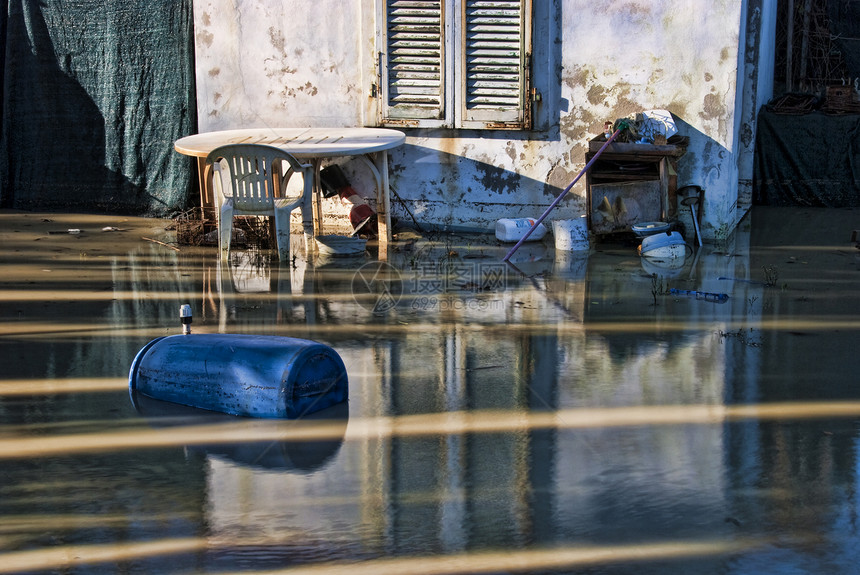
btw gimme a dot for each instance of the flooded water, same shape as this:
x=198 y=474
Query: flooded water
x=568 y=414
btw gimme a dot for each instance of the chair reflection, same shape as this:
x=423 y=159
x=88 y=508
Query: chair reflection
x=255 y=280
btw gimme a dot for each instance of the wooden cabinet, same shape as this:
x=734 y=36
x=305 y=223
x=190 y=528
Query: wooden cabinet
x=631 y=183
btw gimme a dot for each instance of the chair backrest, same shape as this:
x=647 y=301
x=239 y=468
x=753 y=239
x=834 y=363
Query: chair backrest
x=255 y=174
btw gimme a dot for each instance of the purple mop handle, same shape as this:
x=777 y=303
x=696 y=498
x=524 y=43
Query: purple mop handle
x=560 y=196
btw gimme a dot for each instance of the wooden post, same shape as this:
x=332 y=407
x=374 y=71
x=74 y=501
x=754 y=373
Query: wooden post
x=789 y=45
x=804 y=42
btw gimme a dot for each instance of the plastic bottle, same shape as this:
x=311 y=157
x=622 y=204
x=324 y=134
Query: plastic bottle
x=513 y=229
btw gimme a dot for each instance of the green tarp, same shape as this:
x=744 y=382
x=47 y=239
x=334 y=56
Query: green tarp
x=94 y=94
x=807 y=160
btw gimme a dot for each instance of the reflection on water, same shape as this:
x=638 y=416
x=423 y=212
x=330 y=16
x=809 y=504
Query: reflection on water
x=320 y=444
x=564 y=414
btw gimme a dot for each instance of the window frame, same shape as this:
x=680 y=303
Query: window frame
x=453 y=69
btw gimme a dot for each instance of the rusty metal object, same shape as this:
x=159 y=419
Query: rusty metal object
x=840 y=100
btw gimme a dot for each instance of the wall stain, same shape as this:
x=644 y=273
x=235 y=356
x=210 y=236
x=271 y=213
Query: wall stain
x=557 y=180
x=712 y=156
x=276 y=38
x=579 y=124
x=625 y=107
x=497 y=180
x=206 y=38
x=678 y=108
x=579 y=76
x=214 y=72
x=596 y=94
x=577 y=152
x=712 y=107
x=687 y=79
x=309 y=88
x=568 y=125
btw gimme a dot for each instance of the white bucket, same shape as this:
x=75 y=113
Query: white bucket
x=667 y=246
x=571 y=235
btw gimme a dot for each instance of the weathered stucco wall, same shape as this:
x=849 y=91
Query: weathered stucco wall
x=266 y=63
x=632 y=56
x=271 y=63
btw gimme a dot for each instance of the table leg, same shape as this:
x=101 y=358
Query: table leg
x=384 y=218
x=378 y=164
x=317 y=197
x=204 y=178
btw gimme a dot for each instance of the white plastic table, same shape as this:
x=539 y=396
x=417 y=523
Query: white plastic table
x=311 y=144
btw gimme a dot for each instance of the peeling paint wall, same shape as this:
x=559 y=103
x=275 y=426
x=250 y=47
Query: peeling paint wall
x=266 y=63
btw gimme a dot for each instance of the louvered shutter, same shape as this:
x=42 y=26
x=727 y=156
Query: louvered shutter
x=413 y=64
x=495 y=42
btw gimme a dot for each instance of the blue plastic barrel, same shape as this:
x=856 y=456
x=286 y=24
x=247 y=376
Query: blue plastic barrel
x=250 y=375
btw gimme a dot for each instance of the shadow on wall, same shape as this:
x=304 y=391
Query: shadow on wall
x=442 y=190
x=707 y=164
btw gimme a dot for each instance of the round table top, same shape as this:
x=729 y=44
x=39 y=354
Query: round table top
x=300 y=142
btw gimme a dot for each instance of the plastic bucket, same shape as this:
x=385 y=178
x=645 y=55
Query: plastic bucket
x=664 y=246
x=571 y=235
x=250 y=375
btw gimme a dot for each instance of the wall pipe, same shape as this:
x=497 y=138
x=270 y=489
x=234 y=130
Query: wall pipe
x=562 y=194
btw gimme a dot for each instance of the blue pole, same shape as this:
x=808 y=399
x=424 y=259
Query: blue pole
x=560 y=196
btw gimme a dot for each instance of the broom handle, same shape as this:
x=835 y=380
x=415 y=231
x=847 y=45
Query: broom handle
x=560 y=196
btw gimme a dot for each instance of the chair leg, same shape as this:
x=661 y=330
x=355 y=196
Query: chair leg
x=226 y=293
x=225 y=229
x=282 y=231
x=308 y=222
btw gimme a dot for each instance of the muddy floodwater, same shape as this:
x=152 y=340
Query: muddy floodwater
x=569 y=413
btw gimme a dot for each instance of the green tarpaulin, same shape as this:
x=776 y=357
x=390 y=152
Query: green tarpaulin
x=94 y=94
x=807 y=160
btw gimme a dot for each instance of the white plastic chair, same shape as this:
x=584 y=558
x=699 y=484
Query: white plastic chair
x=251 y=179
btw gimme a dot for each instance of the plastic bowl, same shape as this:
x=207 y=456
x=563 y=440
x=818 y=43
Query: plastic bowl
x=649 y=228
x=340 y=245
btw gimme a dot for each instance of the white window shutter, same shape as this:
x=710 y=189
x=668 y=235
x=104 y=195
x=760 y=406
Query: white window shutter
x=412 y=68
x=492 y=64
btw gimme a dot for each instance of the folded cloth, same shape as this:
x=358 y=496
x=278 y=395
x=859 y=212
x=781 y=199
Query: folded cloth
x=655 y=123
